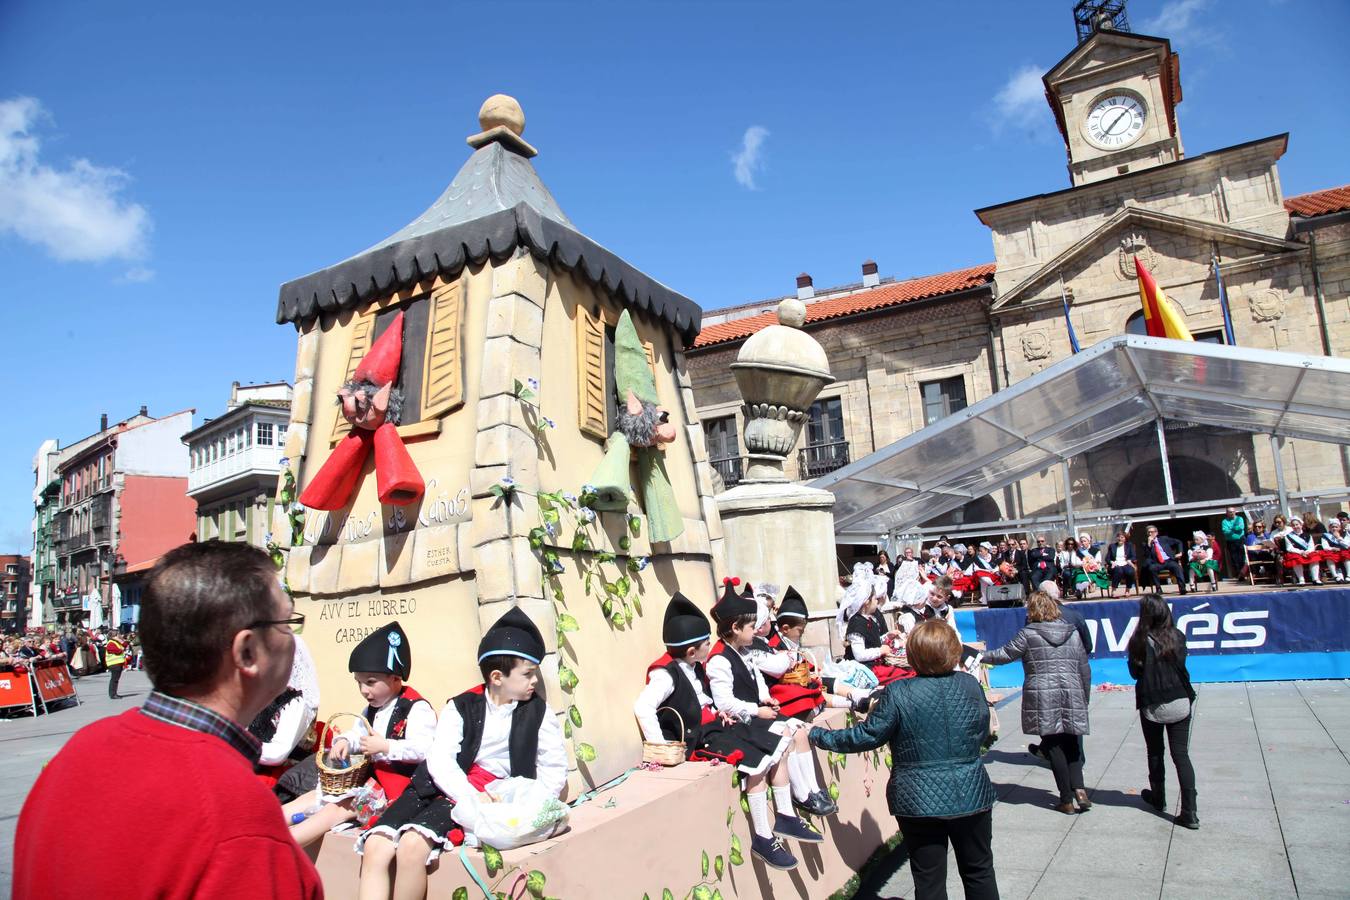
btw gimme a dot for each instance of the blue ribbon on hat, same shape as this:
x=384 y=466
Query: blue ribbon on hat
x=393 y=660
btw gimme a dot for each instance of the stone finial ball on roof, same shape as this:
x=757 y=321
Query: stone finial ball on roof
x=792 y=312
x=503 y=110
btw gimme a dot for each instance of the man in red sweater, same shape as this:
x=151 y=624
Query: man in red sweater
x=217 y=634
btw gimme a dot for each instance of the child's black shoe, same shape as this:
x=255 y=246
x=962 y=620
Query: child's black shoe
x=819 y=804
x=795 y=828
x=773 y=852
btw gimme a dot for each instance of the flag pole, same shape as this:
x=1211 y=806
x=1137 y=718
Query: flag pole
x=1064 y=301
x=1223 y=296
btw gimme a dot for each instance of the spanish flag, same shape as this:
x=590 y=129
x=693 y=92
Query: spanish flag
x=1160 y=317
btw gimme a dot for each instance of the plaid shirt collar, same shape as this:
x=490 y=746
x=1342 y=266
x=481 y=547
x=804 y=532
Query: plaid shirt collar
x=195 y=717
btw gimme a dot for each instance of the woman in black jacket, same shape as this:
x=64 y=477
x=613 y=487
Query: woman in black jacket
x=1164 y=697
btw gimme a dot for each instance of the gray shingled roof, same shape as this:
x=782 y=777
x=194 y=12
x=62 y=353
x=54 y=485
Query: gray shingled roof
x=495 y=205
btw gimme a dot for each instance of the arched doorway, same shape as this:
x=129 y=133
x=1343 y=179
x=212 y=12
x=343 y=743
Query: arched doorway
x=1193 y=480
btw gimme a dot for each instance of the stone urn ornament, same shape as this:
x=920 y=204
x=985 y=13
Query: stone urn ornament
x=780 y=370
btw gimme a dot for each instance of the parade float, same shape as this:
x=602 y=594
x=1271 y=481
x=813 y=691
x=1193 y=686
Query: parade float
x=492 y=410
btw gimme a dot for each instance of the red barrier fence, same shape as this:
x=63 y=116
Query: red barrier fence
x=44 y=681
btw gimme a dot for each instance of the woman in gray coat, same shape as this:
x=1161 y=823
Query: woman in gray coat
x=1055 y=693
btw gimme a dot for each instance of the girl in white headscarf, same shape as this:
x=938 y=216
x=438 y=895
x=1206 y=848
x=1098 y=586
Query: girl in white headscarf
x=910 y=583
x=859 y=628
x=286 y=721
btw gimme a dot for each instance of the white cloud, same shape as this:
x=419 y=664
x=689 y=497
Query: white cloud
x=137 y=275
x=1021 y=100
x=75 y=213
x=748 y=161
x=1177 y=21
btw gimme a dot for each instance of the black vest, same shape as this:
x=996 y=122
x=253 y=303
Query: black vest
x=403 y=705
x=865 y=626
x=523 y=742
x=684 y=700
x=264 y=725
x=743 y=685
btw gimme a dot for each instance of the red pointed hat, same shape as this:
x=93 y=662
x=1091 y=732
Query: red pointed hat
x=380 y=364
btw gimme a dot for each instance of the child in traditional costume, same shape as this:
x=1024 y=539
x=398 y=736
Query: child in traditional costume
x=794 y=681
x=1336 y=550
x=403 y=725
x=1202 y=561
x=1301 y=550
x=777 y=743
x=499 y=729
x=286 y=725
x=864 y=637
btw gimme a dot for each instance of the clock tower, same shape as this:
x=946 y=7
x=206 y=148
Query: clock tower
x=1114 y=96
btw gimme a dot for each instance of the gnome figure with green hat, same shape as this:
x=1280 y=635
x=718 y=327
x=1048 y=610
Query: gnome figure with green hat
x=642 y=427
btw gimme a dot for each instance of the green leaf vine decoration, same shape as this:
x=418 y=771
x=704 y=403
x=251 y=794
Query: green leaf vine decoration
x=611 y=580
x=295 y=515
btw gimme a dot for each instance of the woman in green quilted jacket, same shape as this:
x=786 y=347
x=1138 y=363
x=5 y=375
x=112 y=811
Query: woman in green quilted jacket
x=934 y=725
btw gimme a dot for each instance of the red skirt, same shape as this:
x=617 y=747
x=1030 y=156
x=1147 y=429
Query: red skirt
x=887 y=674
x=797 y=701
x=1292 y=559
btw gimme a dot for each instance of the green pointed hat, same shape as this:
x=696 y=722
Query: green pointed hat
x=632 y=372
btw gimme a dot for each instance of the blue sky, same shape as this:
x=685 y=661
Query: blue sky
x=164 y=167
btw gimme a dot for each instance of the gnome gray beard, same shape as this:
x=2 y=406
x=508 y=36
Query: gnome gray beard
x=394 y=412
x=640 y=429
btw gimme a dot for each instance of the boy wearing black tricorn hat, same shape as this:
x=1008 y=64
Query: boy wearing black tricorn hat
x=798 y=700
x=404 y=723
x=499 y=729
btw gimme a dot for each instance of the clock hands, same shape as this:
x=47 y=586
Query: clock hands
x=1107 y=129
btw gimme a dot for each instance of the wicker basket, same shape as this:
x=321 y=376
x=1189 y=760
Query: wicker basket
x=803 y=673
x=667 y=753
x=899 y=660
x=334 y=781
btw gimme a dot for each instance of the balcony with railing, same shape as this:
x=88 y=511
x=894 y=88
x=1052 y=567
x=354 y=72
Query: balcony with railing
x=732 y=470
x=249 y=461
x=815 y=460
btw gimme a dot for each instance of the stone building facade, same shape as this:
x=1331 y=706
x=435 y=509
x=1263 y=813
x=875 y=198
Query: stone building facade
x=900 y=359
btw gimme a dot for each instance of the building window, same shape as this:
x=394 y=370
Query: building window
x=826 y=449
x=248 y=436
x=942 y=398
x=264 y=434
x=281 y=435
x=1135 y=325
x=724 y=448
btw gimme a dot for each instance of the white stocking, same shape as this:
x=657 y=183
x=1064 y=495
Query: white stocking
x=802 y=774
x=759 y=813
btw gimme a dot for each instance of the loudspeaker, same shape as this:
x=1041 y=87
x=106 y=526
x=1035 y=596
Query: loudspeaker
x=1000 y=595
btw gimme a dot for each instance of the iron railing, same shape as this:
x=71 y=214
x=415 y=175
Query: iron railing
x=815 y=460
x=731 y=470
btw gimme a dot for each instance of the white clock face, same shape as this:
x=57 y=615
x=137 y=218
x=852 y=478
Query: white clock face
x=1114 y=121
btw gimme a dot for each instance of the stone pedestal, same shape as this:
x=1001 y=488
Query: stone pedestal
x=783 y=533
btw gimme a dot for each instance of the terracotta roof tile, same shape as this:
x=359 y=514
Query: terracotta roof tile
x=1319 y=203
x=892 y=294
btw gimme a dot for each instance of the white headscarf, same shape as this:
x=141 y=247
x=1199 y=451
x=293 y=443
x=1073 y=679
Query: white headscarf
x=858 y=592
x=764 y=594
x=304 y=678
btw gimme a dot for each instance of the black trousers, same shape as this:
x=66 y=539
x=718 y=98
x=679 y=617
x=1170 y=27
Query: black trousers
x=971 y=837
x=113 y=679
x=1122 y=575
x=1178 y=741
x=1237 y=560
x=1066 y=761
x=1153 y=567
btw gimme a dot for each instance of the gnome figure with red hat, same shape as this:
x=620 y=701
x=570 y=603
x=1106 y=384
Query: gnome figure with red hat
x=371 y=403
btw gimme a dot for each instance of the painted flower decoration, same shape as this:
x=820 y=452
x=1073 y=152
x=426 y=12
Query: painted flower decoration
x=586 y=514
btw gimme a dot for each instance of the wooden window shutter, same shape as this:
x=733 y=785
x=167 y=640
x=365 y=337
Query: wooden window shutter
x=443 y=372
x=592 y=404
x=363 y=327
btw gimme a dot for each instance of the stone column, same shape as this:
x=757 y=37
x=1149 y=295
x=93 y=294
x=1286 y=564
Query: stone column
x=775 y=530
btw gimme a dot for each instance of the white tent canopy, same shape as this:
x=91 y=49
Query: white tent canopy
x=1078 y=404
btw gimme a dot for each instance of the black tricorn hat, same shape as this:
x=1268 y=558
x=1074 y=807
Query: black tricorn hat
x=513 y=635
x=685 y=623
x=384 y=650
x=792 y=606
x=733 y=604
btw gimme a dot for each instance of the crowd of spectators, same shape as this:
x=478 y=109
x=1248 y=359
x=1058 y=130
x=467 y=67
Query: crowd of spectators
x=1300 y=549
x=84 y=649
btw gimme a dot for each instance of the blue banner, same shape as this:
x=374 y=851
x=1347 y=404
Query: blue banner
x=1274 y=636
